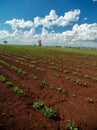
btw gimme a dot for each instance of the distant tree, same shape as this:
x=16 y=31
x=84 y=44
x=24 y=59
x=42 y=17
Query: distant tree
x=40 y=42
x=5 y=42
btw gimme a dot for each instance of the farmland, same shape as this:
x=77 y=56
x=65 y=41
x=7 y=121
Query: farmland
x=48 y=88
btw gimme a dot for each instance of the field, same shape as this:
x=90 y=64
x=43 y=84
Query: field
x=48 y=88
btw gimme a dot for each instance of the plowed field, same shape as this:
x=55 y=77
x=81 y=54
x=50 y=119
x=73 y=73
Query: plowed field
x=64 y=81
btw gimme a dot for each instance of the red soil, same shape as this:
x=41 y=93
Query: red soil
x=17 y=113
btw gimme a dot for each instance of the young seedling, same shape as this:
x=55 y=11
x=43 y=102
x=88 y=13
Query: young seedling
x=87 y=76
x=49 y=112
x=89 y=100
x=71 y=126
x=31 y=66
x=38 y=105
x=95 y=79
x=62 y=91
x=67 y=71
x=34 y=77
x=39 y=69
x=78 y=82
x=18 y=91
x=57 y=75
x=9 y=84
x=45 y=83
x=2 y=78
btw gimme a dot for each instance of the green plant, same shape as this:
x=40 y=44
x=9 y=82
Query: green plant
x=71 y=126
x=87 y=76
x=18 y=91
x=80 y=83
x=95 y=79
x=57 y=75
x=19 y=70
x=90 y=100
x=33 y=62
x=31 y=66
x=62 y=91
x=38 y=105
x=24 y=72
x=9 y=84
x=44 y=82
x=54 y=67
x=67 y=71
x=39 y=69
x=34 y=77
x=2 y=78
x=49 y=112
x=75 y=73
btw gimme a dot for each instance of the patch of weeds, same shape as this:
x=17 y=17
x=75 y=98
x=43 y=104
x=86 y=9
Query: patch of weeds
x=38 y=105
x=34 y=77
x=2 y=78
x=62 y=91
x=33 y=62
x=44 y=82
x=5 y=63
x=67 y=71
x=18 y=91
x=39 y=69
x=87 y=76
x=75 y=73
x=89 y=100
x=78 y=82
x=57 y=75
x=31 y=66
x=49 y=112
x=24 y=72
x=19 y=70
x=9 y=84
x=71 y=126
x=95 y=79
x=79 y=66
x=54 y=67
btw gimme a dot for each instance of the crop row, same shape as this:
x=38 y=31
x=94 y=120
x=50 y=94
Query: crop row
x=19 y=70
x=15 y=89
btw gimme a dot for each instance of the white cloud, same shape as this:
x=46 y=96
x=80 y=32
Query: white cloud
x=19 y=23
x=68 y=18
x=53 y=19
x=4 y=34
x=48 y=21
x=80 y=35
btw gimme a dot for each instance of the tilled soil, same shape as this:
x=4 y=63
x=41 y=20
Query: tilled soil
x=17 y=113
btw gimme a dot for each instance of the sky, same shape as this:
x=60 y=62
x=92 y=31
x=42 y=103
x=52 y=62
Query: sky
x=55 y=22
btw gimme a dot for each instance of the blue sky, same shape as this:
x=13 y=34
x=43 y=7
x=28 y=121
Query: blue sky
x=57 y=22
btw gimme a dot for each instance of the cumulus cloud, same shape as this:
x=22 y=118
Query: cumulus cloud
x=4 y=34
x=52 y=19
x=48 y=21
x=19 y=23
x=80 y=35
